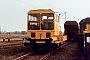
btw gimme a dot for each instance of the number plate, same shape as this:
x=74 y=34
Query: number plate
x=40 y=41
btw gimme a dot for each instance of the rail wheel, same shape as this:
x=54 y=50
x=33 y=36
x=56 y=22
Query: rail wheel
x=3 y=40
x=8 y=40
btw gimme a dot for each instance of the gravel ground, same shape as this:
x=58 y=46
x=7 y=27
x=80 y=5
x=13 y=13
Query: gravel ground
x=69 y=52
x=10 y=53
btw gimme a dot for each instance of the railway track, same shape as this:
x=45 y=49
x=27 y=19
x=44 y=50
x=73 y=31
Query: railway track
x=4 y=44
x=40 y=56
x=25 y=56
x=12 y=52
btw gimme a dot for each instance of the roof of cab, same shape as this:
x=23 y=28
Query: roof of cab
x=41 y=11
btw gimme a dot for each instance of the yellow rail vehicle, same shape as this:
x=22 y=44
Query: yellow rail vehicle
x=43 y=27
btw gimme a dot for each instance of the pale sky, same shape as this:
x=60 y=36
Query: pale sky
x=13 y=12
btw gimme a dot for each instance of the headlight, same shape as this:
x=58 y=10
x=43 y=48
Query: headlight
x=48 y=35
x=32 y=35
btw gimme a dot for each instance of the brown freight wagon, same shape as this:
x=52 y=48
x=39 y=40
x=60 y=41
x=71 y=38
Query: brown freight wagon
x=71 y=30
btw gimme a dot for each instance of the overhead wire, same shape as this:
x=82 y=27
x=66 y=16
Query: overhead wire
x=27 y=3
x=48 y=4
x=37 y=7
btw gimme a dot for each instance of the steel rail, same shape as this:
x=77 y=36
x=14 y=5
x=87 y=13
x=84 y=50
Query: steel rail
x=24 y=56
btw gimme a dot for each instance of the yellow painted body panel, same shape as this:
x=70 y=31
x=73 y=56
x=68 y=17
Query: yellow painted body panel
x=87 y=30
x=43 y=35
x=64 y=38
x=56 y=29
x=37 y=33
x=88 y=27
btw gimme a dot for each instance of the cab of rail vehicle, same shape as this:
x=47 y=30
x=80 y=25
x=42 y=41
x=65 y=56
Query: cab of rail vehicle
x=43 y=26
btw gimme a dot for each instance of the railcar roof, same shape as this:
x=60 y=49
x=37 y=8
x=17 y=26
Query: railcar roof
x=85 y=20
x=71 y=23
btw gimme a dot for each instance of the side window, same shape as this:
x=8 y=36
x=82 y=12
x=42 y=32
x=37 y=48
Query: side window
x=57 y=18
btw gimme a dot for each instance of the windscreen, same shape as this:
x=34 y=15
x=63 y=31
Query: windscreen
x=34 y=17
x=47 y=16
x=47 y=26
x=33 y=26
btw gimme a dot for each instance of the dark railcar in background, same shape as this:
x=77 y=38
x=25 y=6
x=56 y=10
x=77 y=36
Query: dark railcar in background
x=83 y=23
x=71 y=30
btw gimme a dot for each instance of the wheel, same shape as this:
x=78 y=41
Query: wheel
x=8 y=40
x=23 y=38
x=3 y=40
